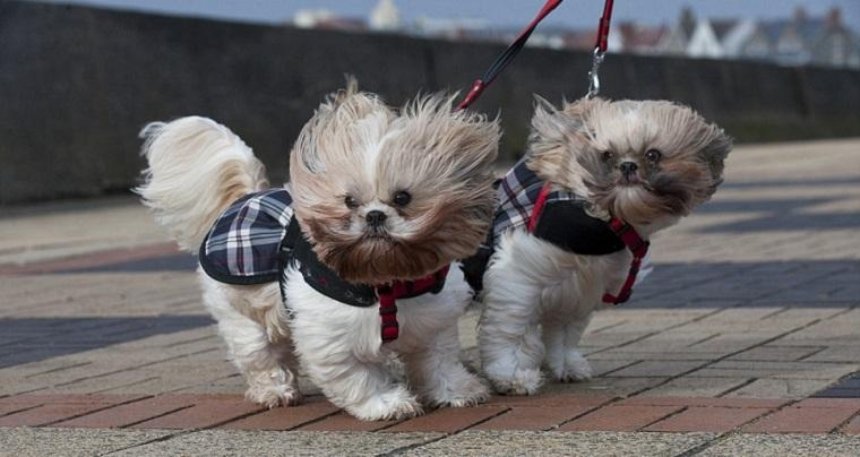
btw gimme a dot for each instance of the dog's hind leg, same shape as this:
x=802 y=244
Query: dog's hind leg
x=248 y=321
x=439 y=376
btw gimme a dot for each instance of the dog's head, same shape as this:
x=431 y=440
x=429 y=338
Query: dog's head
x=647 y=162
x=385 y=194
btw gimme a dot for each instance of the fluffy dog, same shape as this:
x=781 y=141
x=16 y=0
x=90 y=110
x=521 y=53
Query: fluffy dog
x=378 y=199
x=639 y=164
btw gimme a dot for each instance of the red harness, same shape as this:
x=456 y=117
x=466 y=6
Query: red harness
x=635 y=244
x=389 y=293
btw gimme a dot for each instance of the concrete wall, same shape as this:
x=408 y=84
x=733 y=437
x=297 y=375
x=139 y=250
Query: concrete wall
x=76 y=85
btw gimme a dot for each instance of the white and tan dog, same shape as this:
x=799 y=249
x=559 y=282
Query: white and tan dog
x=381 y=196
x=643 y=163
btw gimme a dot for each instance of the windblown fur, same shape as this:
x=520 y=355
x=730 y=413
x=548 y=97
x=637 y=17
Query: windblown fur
x=647 y=162
x=197 y=168
x=426 y=170
x=442 y=159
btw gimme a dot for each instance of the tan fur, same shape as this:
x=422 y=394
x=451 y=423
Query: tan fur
x=197 y=168
x=357 y=146
x=566 y=147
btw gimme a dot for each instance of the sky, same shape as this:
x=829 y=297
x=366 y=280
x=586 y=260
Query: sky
x=572 y=13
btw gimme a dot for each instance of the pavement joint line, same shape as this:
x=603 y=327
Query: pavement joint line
x=609 y=402
x=707 y=338
x=731 y=354
x=97 y=410
x=133 y=383
x=844 y=423
x=737 y=387
x=176 y=410
x=180 y=432
x=402 y=449
x=147 y=364
x=657 y=332
x=54 y=370
x=674 y=413
x=26 y=408
x=817 y=351
x=636 y=362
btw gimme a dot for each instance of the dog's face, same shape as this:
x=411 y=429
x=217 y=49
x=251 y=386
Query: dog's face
x=387 y=195
x=646 y=162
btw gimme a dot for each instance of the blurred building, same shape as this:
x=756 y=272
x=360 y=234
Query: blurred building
x=798 y=40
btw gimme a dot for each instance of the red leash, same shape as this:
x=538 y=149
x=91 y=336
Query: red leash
x=600 y=45
x=506 y=56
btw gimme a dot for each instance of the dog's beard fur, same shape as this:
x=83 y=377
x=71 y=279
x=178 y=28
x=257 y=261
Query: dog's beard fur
x=356 y=147
x=582 y=146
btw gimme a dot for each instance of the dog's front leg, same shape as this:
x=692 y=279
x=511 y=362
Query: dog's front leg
x=339 y=350
x=563 y=359
x=438 y=374
x=509 y=336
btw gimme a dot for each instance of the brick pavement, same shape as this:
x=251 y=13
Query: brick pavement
x=751 y=310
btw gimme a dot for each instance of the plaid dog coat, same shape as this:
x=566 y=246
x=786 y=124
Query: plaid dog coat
x=254 y=240
x=561 y=220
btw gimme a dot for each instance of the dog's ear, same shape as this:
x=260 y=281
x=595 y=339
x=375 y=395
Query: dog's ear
x=715 y=151
x=554 y=134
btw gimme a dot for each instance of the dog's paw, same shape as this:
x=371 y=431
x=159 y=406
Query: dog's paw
x=522 y=382
x=469 y=392
x=394 y=404
x=272 y=390
x=576 y=368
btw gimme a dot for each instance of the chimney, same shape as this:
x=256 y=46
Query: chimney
x=799 y=15
x=834 y=18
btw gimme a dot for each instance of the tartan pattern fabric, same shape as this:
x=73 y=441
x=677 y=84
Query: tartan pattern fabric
x=518 y=191
x=243 y=247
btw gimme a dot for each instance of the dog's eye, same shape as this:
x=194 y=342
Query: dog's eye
x=350 y=202
x=402 y=198
x=653 y=155
x=606 y=156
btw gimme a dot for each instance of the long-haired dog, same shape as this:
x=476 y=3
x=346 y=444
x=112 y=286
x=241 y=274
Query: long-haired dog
x=378 y=200
x=598 y=179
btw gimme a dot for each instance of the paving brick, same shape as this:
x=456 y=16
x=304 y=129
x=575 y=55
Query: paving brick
x=852 y=427
x=697 y=387
x=656 y=368
x=130 y=413
x=707 y=419
x=448 y=420
x=284 y=418
x=550 y=399
x=847 y=403
x=777 y=353
x=49 y=413
x=795 y=419
x=620 y=418
x=725 y=402
x=207 y=411
x=533 y=417
x=780 y=388
x=344 y=422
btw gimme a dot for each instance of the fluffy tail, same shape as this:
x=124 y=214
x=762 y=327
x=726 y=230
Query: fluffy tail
x=197 y=168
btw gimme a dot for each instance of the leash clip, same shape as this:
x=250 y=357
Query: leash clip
x=593 y=76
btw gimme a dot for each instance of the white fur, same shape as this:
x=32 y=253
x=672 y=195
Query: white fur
x=196 y=169
x=538 y=300
x=340 y=349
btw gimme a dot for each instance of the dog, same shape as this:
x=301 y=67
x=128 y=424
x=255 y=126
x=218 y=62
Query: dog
x=351 y=269
x=599 y=178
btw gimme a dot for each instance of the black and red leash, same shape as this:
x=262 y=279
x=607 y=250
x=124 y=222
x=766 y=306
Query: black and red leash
x=389 y=293
x=601 y=43
x=506 y=56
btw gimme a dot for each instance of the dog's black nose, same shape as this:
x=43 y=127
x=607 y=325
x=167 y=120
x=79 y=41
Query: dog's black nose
x=375 y=218
x=628 y=168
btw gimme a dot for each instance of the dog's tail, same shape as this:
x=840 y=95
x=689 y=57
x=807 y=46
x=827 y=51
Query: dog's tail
x=197 y=168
